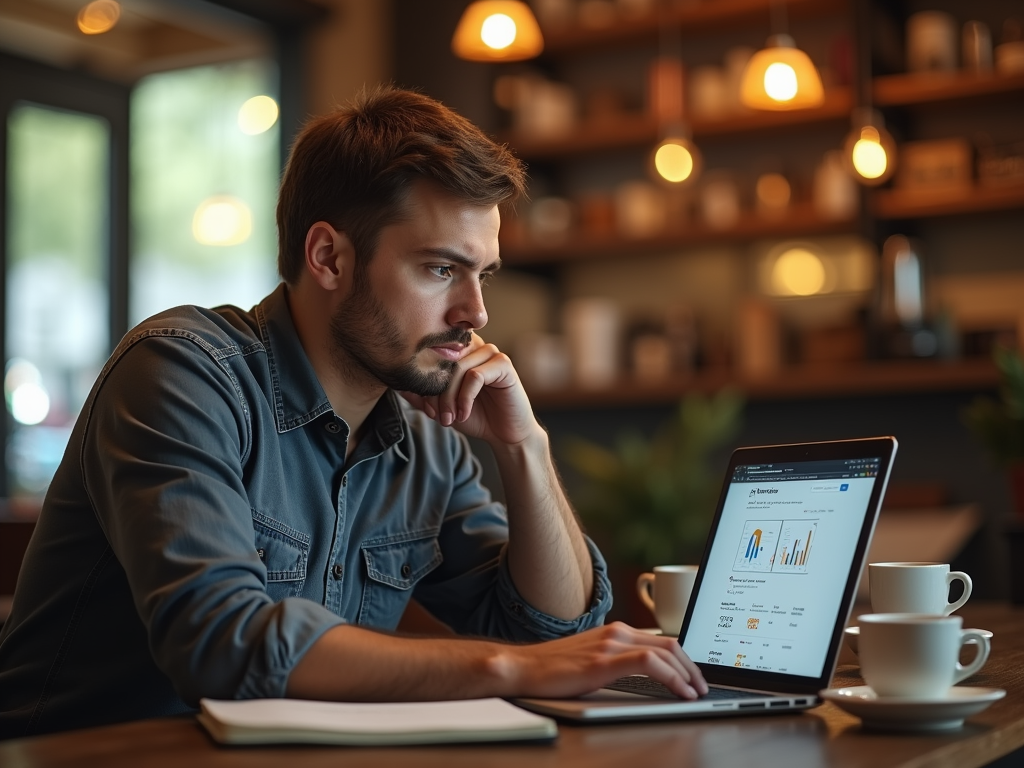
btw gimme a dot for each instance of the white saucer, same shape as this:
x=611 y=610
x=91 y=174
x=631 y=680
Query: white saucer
x=853 y=636
x=897 y=714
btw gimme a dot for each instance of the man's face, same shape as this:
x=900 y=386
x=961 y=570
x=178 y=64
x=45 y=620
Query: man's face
x=412 y=309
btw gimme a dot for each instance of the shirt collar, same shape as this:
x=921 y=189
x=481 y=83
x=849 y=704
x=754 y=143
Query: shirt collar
x=298 y=395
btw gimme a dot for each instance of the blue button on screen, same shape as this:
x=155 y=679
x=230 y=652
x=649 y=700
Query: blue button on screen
x=844 y=486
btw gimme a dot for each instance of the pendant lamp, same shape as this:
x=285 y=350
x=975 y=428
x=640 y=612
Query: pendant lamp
x=870 y=151
x=497 y=30
x=781 y=76
x=675 y=159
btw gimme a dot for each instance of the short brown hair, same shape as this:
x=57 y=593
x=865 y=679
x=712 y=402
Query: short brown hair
x=352 y=168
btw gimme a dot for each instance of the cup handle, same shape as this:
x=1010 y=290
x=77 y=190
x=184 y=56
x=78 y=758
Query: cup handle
x=968 y=586
x=962 y=671
x=644 y=583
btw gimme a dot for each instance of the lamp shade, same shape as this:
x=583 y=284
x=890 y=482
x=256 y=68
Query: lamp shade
x=781 y=76
x=497 y=30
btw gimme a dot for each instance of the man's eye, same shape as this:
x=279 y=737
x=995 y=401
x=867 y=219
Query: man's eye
x=444 y=271
x=485 y=277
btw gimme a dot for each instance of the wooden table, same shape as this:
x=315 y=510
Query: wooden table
x=824 y=737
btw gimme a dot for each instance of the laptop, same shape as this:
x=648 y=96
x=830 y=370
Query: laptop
x=775 y=588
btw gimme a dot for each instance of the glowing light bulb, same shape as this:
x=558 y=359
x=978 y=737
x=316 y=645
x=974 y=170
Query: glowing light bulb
x=869 y=151
x=780 y=81
x=674 y=161
x=798 y=272
x=869 y=158
x=222 y=220
x=98 y=17
x=257 y=115
x=498 y=31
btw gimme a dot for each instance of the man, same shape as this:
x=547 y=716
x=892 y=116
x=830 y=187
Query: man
x=246 y=505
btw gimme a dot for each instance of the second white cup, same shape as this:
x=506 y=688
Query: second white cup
x=913 y=655
x=666 y=592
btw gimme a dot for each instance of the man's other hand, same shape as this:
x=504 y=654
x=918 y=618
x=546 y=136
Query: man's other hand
x=485 y=398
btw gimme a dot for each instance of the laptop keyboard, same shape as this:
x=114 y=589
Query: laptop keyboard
x=648 y=687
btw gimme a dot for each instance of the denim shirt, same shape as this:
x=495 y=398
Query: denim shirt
x=204 y=529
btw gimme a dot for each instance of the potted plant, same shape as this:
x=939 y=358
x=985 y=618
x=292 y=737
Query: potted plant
x=650 y=501
x=999 y=424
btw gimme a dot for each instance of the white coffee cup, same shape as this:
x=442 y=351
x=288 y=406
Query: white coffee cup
x=915 y=588
x=666 y=592
x=914 y=655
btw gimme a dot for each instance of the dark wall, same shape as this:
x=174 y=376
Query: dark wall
x=423 y=59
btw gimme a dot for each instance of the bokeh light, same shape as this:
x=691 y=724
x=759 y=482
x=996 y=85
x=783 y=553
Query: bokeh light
x=26 y=396
x=869 y=158
x=222 y=220
x=98 y=17
x=674 y=161
x=257 y=115
x=798 y=272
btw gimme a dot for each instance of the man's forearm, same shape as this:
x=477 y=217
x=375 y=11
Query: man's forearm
x=353 y=664
x=350 y=663
x=547 y=555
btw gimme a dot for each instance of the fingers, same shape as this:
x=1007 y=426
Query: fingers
x=593 y=659
x=483 y=366
x=662 y=659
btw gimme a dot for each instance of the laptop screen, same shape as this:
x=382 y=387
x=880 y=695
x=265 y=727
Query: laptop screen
x=774 y=578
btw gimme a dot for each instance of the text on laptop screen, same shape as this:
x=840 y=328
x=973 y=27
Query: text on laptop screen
x=782 y=553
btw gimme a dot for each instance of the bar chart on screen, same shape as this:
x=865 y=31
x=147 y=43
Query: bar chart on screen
x=795 y=546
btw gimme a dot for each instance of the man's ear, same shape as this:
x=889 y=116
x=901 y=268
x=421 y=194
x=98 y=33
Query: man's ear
x=330 y=256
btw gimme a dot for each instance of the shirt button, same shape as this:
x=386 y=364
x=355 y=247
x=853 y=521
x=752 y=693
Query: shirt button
x=333 y=427
x=337 y=571
x=406 y=571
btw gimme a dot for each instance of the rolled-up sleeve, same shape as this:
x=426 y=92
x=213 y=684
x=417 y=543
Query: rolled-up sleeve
x=473 y=591
x=164 y=460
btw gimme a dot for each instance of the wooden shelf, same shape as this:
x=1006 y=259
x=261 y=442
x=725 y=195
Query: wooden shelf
x=640 y=130
x=898 y=204
x=697 y=19
x=934 y=88
x=851 y=380
x=801 y=220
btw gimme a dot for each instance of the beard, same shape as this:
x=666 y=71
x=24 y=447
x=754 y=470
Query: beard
x=366 y=344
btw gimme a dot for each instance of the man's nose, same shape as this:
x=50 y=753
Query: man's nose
x=469 y=311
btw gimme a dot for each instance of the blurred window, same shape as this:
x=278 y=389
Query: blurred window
x=204 y=174
x=57 y=295
x=204 y=170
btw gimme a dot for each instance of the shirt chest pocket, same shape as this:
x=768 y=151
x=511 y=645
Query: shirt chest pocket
x=393 y=567
x=284 y=553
